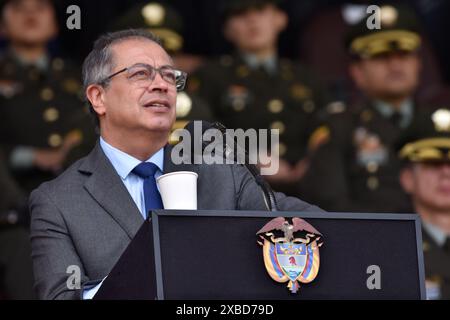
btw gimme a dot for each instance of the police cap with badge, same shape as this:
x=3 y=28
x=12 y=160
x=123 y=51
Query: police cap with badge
x=428 y=138
x=398 y=31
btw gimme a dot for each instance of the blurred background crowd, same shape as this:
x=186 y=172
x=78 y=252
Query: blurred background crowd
x=363 y=113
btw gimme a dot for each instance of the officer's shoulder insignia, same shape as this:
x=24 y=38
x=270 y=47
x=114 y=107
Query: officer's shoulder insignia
x=441 y=120
x=300 y=91
x=320 y=136
x=291 y=251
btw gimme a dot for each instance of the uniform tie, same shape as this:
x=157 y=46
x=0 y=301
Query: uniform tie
x=147 y=170
x=396 y=118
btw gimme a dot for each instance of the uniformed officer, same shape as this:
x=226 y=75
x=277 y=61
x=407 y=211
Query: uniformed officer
x=164 y=21
x=255 y=88
x=425 y=151
x=16 y=279
x=43 y=124
x=356 y=168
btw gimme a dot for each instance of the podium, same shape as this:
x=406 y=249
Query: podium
x=192 y=255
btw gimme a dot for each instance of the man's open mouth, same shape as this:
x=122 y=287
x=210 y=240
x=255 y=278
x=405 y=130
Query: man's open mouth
x=157 y=104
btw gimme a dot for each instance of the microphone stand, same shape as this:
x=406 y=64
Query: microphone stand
x=269 y=196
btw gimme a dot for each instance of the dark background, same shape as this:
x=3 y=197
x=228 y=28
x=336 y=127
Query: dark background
x=202 y=31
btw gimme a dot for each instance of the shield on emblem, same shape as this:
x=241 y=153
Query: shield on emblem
x=291 y=258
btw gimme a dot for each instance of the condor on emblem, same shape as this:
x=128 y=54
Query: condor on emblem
x=291 y=251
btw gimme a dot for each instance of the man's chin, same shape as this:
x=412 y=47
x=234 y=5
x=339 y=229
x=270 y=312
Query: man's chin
x=161 y=126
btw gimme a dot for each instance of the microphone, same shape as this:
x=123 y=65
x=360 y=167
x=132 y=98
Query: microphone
x=197 y=130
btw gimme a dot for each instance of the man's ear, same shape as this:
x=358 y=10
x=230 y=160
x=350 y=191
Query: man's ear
x=95 y=95
x=3 y=29
x=227 y=32
x=407 y=179
x=281 y=20
x=356 y=72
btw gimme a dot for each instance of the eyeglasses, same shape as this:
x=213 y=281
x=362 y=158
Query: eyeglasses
x=143 y=75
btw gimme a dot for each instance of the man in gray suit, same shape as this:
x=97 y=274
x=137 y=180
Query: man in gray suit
x=84 y=219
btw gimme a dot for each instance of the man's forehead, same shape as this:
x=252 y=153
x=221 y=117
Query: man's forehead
x=130 y=51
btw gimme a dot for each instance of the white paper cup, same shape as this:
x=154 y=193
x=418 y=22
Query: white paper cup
x=178 y=190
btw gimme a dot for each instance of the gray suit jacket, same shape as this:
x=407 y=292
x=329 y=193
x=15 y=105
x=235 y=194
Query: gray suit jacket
x=86 y=217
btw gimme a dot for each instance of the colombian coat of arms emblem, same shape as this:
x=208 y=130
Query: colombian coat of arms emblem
x=291 y=251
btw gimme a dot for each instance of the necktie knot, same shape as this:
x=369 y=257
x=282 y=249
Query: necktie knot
x=145 y=170
x=152 y=198
x=396 y=118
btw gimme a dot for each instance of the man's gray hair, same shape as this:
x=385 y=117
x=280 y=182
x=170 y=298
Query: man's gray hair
x=99 y=63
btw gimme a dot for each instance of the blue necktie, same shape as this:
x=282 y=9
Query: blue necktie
x=147 y=170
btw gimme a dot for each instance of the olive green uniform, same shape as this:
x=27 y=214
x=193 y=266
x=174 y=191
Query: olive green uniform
x=39 y=107
x=285 y=97
x=357 y=168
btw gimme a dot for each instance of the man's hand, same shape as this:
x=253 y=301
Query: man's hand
x=288 y=173
x=49 y=159
x=53 y=159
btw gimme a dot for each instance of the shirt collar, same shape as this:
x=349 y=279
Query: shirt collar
x=41 y=63
x=124 y=163
x=406 y=111
x=269 y=64
x=435 y=233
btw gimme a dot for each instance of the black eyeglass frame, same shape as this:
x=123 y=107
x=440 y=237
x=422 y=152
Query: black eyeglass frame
x=180 y=76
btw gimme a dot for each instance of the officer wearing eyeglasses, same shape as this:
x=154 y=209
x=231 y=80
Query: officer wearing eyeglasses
x=87 y=216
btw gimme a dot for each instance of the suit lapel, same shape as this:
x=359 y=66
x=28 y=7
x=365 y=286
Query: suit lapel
x=106 y=187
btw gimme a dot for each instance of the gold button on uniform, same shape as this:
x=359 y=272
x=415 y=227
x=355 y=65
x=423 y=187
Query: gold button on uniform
x=373 y=183
x=275 y=106
x=47 y=94
x=54 y=140
x=278 y=125
x=51 y=114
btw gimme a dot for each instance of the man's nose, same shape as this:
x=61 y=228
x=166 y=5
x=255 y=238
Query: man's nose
x=158 y=83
